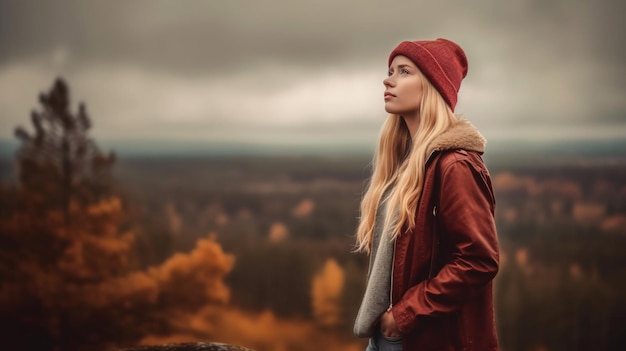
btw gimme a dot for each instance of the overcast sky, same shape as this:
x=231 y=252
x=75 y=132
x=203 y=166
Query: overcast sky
x=185 y=72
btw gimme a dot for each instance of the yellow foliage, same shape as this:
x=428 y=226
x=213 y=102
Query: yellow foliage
x=326 y=293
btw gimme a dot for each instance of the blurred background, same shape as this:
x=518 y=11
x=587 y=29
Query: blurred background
x=191 y=170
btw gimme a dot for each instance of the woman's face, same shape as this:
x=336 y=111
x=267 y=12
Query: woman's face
x=403 y=88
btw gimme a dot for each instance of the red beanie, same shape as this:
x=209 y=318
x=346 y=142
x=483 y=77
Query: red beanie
x=441 y=61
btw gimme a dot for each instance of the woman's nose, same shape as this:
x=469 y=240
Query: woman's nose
x=387 y=82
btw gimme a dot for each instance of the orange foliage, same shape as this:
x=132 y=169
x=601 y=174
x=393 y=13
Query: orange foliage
x=105 y=207
x=615 y=222
x=587 y=211
x=197 y=275
x=278 y=232
x=303 y=209
x=565 y=188
x=173 y=218
x=259 y=331
x=508 y=182
x=521 y=256
x=96 y=249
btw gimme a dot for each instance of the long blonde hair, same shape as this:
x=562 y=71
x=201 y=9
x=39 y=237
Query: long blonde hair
x=400 y=160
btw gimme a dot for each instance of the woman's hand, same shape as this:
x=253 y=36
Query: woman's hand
x=388 y=325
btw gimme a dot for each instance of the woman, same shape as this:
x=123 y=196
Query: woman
x=427 y=217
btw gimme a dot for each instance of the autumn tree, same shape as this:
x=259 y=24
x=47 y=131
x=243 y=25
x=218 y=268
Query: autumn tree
x=66 y=230
x=326 y=293
x=66 y=243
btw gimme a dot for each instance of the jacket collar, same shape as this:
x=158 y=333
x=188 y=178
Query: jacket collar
x=461 y=135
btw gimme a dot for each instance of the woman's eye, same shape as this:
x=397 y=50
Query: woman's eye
x=404 y=71
x=389 y=73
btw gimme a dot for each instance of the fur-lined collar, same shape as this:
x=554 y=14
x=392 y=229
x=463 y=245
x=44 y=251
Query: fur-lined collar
x=461 y=135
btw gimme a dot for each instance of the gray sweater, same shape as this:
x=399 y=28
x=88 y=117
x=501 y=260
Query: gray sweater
x=377 y=296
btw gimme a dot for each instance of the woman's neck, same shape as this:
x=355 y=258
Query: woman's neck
x=412 y=122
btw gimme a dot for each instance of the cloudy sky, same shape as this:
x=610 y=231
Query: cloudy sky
x=286 y=73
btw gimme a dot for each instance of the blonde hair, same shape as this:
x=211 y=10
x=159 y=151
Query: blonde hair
x=400 y=160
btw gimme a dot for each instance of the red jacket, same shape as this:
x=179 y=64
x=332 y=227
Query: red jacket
x=443 y=269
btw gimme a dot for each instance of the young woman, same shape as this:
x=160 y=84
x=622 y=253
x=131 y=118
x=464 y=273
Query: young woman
x=427 y=217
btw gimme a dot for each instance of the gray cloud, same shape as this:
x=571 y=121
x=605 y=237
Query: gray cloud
x=195 y=68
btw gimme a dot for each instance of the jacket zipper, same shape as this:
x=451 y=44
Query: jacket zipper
x=433 y=246
x=433 y=249
x=393 y=263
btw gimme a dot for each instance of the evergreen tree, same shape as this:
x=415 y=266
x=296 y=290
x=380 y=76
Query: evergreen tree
x=60 y=163
x=67 y=230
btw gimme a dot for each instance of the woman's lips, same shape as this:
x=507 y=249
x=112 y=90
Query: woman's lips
x=388 y=96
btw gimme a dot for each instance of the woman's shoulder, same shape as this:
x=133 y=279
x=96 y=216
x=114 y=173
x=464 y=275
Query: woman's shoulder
x=449 y=159
x=465 y=169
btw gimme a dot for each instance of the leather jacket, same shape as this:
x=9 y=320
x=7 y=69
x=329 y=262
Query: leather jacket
x=443 y=268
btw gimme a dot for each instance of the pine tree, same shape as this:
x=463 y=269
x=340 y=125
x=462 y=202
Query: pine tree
x=60 y=163
x=68 y=231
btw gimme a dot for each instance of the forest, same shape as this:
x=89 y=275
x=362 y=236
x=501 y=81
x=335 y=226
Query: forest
x=99 y=251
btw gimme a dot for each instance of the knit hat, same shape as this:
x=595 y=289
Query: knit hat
x=442 y=61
